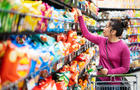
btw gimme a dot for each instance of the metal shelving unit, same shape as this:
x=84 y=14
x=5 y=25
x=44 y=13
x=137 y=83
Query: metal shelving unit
x=115 y=9
x=60 y=4
x=134 y=43
x=134 y=26
x=133 y=34
x=70 y=58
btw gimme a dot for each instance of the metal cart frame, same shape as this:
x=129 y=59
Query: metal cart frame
x=123 y=84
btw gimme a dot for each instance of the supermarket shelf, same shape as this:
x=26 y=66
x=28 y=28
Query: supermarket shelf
x=136 y=59
x=135 y=50
x=134 y=43
x=131 y=18
x=82 y=49
x=135 y=18
x=131 y=26
x=133 y=34
x=87 y=12
x=116 y=9
x=93 y=28
x=134 y=26
x=32 y=15
x=22 y=15
x=27 y=32
x=92 y=2
x=58 y=4
x=83 y=69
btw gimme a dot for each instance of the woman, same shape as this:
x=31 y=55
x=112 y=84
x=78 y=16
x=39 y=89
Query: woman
x=118 y=51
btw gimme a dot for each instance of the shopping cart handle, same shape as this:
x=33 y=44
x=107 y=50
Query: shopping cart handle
x=114 y=75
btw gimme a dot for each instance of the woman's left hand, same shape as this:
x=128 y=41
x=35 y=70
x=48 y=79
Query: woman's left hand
x=104 y=71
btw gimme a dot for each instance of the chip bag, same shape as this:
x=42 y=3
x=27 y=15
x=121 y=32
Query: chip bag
x=18 y=59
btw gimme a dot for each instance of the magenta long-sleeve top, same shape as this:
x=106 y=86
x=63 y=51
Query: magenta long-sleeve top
x=118 y=52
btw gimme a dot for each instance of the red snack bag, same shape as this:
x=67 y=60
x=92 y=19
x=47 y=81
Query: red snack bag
x=81 y=57
x=65 y=68
x=61 y=37
x=47 y=84
x=74 y=47
x=72 y=35
x=73 y=66
x=61 y=86
x=16 y=58
x=74 y=78
x=80 y=40
x=75 y=14
x=66 y=47
x=80 y=82
x=81 y=64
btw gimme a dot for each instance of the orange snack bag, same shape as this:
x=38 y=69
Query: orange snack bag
x=15 y=63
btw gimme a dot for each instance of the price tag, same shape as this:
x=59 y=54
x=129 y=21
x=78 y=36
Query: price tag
x=73 y=26
x=88 y=11
x=61 y=26
x=67 y=26
x=60 y=64
x=73 y=1
x=69 y=57
x=75 y=54
x=78 y=53
x=81 y=6
x=31 y=84
x=87 y=45
x=78 y=26
x=92 y=14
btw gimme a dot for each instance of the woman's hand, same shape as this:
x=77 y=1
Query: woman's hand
x=104 y=71
x=79 y=13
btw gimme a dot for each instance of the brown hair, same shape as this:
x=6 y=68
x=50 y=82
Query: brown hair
x=119 y=25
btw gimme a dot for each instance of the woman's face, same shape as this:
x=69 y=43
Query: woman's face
x=107 y=30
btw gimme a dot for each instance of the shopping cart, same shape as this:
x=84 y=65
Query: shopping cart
x=127 y=82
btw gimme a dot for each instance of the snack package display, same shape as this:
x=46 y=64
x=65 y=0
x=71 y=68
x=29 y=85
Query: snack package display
x=56 y=25
x=61 y=85
x=60 y=77
x=42 y=45
x=53 y=19
x=47 y=84
x=17 y=60
x=72 y=35
x=61 y=37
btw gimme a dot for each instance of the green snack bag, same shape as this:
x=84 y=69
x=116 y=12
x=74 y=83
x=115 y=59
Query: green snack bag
x=67 y=2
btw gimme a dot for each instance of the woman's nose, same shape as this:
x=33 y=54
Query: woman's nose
x=104 y=29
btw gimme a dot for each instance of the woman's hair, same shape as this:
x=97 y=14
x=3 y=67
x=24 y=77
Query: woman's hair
x=119 y=25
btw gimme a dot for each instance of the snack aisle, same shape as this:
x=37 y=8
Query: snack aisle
x=41 y=46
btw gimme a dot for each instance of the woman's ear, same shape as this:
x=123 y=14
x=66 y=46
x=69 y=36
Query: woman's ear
x=113 y=32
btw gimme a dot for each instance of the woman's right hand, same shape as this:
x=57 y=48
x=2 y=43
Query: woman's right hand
x=79 y=13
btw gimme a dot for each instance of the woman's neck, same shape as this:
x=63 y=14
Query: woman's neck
x=113 y=39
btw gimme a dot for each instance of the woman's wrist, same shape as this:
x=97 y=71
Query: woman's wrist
x=79 y=12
